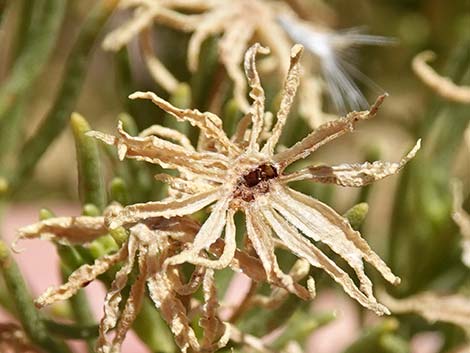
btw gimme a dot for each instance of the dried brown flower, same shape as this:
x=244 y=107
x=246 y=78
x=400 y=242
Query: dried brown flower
x=239 y=23
x=239 y=20
x=149 y=244
x=243 y=174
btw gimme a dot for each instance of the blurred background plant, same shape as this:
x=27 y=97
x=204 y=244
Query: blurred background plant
x=52 y=64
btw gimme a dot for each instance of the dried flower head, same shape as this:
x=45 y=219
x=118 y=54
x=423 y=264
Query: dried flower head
x=149 y=245
x=244 y=173
x=239 y=21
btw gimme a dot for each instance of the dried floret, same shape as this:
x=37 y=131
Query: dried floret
x=443 y=86
x=149 y=244
x=239 y=22
x=246 y=174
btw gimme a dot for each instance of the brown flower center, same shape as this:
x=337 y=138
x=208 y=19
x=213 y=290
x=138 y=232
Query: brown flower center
x=255 y=182
x=262 y=173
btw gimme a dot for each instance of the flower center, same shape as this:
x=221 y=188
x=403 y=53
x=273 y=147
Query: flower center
x=262 y=173
x=255 y=182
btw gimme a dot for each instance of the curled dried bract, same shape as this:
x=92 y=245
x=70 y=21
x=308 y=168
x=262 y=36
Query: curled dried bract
x=246 y=174
x=443 y=86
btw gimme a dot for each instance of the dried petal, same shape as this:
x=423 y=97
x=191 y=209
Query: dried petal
x=172 y=311
x=14 y=340
x=290 y=88
x=210 y=231
x=156 y=69
x=324 y=134
x=167 y=154
x=193 y=284
x=299 y=270
x=352 y=175
x=454 y=309
x=78 y=279
x=139 y=212
x=306 y=250
x=143 y=18
x=131 y=308
x=256 y=93
x=210 y=124
x=169 y=134
x=182 y=186
x=215 y=332
x=114 y=295
x=65 y=230
x=232 y=47
x=261 y=238
x=211 y=24
x=321 y=223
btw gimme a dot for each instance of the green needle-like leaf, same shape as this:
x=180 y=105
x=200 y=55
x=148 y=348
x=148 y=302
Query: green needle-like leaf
x=35 y=53
x=90 y=179
x=73 y=77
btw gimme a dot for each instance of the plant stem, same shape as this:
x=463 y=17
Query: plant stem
x=90 y=178
x=68 y=331
x=28 y=315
